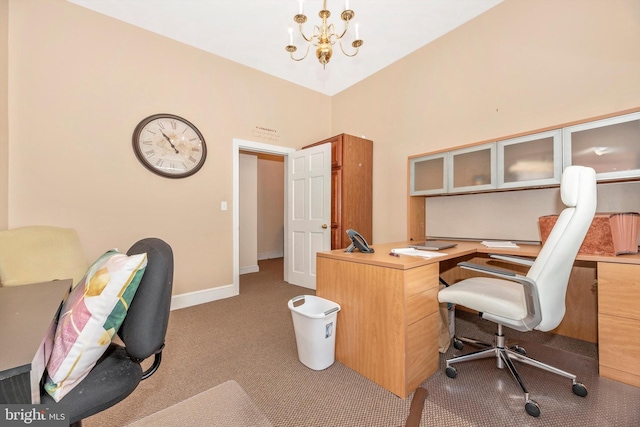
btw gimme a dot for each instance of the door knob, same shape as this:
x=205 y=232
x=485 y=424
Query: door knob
x=324 y=225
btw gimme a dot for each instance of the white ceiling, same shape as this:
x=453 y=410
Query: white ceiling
x=254 y=32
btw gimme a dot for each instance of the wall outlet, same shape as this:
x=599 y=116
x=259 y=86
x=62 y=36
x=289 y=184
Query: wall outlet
x=223 y=206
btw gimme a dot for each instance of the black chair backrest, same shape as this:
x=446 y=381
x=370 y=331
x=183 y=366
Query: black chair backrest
x=145 y=326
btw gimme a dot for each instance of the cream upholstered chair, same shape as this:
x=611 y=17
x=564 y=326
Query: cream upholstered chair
x=534 y=301
x=40 y=253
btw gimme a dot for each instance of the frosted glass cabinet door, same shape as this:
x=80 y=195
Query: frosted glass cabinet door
x=428 y=175
x=610 y=146
x=473 y=169
x=530 y=160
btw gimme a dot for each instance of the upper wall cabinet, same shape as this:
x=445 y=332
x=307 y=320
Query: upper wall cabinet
x=473 y=169
x=531 y=160
x=428 y=174
x=465 y=170
x=610 y=146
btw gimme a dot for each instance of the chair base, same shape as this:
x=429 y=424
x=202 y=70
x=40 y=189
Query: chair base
x=504 y=358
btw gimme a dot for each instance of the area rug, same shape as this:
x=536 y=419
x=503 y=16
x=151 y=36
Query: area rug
x=225 y=405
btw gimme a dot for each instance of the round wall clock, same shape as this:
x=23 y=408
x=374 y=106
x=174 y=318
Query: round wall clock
x=169 y=145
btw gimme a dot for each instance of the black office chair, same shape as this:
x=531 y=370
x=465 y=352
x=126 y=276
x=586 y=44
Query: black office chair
x=119 y=370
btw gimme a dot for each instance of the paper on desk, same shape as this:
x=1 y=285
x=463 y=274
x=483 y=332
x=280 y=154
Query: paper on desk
x=417 y=252
x=499 y=244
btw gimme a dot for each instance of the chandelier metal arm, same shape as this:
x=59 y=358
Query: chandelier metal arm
x=353 y=44
x=302 y=57
x=313 y=36
x=346 y=28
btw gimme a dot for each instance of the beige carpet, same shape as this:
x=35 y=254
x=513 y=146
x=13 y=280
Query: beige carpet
x=250 y=339
x=225 y=405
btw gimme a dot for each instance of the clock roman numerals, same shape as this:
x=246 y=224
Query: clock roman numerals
x=171 y=166
x=169 y=145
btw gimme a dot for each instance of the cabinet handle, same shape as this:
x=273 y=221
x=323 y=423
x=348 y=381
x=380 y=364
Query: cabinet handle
x=324 y=225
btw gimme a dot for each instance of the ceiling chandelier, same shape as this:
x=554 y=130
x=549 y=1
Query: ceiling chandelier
x=324 y=36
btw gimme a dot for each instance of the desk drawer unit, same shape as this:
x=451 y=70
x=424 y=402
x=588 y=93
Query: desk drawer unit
x=387 y=328
x=619 y=322
x=422 y=325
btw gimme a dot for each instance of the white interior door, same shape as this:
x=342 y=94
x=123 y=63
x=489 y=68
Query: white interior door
x=308 y=212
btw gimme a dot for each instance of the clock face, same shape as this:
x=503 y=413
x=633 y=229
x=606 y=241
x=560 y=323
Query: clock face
x=169 y=146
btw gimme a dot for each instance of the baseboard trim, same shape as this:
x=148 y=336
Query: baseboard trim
x=249 y=269
x=201 y=297
x=270 y=255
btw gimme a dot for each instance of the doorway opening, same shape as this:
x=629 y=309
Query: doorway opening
x=248 y=147
x=261 y=208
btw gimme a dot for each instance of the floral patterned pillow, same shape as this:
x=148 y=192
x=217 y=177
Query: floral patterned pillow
x=90 y=317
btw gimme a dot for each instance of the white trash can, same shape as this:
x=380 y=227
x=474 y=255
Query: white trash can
x=314 y=322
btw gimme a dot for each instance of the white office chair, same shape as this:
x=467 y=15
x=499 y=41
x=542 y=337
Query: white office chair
x=534 y=301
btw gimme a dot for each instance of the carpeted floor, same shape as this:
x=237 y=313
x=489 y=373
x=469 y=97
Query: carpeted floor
x=250 y=339
x=483 y=395
x=225 y=405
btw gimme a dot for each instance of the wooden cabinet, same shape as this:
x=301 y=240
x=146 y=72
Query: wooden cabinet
x=619 y=322
x=351 y=187
x=387 y=328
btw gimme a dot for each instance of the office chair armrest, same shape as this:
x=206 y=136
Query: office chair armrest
x=534 y=316
x=499 y=272
x=514 y=259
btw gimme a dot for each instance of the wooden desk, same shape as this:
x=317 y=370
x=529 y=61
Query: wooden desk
x=388 y=323
x=27 y=326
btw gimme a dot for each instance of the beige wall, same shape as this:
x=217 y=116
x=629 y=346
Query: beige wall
x=521 y=66
x=80 y=82
x=4 y=130
x=248 y=214
x=261 y=216
x=270 y=206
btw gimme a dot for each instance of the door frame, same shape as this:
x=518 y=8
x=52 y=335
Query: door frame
x=255 y=147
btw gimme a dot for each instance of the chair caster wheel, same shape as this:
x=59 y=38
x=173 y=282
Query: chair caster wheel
x=451 y=372
x=457 y=344
x=532 y=408
x=579 y=389
x=519 y=350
